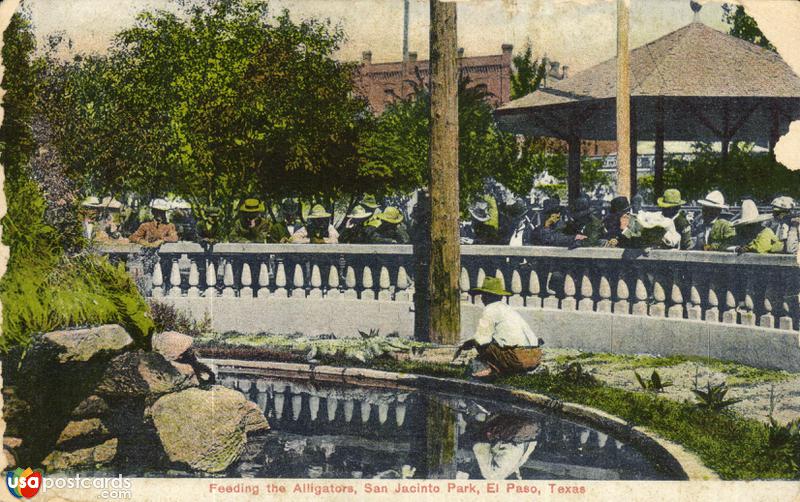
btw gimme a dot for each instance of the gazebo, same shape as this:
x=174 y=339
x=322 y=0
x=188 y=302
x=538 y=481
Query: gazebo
x=694 y=84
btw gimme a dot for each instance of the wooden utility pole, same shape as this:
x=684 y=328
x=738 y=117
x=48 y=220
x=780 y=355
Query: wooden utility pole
x=445 y=263
x=624 y=171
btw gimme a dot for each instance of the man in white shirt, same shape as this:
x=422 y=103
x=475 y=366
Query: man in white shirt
x=504 y=341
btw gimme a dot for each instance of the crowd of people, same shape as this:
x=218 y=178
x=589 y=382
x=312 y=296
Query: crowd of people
x=493 y=220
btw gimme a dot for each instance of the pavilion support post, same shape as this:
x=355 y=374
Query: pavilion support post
x=658 y=174
x=573 y=170
x=774 y=132
x=445 y=258
x=725 y=149
x=623 y=100
x=634 y=153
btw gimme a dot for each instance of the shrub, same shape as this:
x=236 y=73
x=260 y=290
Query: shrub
x=713 y=398
x=574 y=373
x=654 y=384
x=167 y=318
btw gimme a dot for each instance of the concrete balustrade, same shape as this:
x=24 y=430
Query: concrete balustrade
x=743 y=308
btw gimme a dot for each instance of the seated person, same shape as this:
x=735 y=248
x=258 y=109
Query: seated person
x=585 y=228
x=670 y=205
x=551 y=231
x=751 y=234
x=355 y=228
x=616 y=221
x=390 y=230
x=650 y=230
x=504 y=341
x=158 y=231
x=710 y=231
x=318 y=229
x=252 y=226
x=784 y=225
x=484 y=226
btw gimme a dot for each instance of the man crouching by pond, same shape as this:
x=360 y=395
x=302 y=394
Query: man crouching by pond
x=504 y=341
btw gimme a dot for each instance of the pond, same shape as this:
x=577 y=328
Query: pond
x=332 y=430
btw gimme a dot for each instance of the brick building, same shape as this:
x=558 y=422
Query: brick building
x=383 y=83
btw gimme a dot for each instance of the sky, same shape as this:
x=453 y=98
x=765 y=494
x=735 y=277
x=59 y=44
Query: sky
x=578 y=33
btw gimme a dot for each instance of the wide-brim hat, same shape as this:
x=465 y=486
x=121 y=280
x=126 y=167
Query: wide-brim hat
x=492 y=286
x=369 y=202
x=620 y=204
x=714 y=199
x=159 y=204
x=318 y=212
x=783 y=202
x=91 y=202
x=179 y=203
x=671 y=198
x=252 y=206
x=359 y=213
x=480 y=211
x=750 y=215
x=391 y=215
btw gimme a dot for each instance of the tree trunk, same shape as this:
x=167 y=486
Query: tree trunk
x=623 y=102
x=445 y=261
x=658 y=170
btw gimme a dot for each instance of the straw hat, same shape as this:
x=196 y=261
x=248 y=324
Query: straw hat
x=318 y=212
x=91 y=202
x=391 y=215
x=783 y=202
x=252 y=206
x=671 y=198
x=714 y=199
x=369 y=202
x=159 y=205
x=359 y=213
x=750 y=214
x=491 y=285
x=480 y=211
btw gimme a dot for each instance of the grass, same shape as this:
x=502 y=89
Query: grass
x=735 y=448
x=737 y=374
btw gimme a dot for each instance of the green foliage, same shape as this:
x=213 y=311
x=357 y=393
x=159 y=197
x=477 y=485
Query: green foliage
x=713 y=398
x=214 y=104
x=574 y=374
x=743 y=174
x=168 y=318
x=528 y=73
x=654 y=384
x=591 y=175
x=743 y=26
x=783 y=444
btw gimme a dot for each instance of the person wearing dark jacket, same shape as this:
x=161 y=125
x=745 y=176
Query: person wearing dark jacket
x=550 y=232
x=391 y=229
x=585 y=228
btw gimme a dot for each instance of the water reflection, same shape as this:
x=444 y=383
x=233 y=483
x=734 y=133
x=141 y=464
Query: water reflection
x=322 y=430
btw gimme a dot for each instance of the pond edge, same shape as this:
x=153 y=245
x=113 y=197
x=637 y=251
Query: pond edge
x=677 y=460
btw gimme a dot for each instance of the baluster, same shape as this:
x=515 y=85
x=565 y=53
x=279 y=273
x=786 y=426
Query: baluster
x=569 y=302
x=516 y=298
x=499 y=275
x=658 y=308
x=534 y=289
x=401 y=291
x=227 y=280
x=280 y=401
x=194 y=280
x=174 y=279
x=712 y=313
x=263 y=280
x=367 y=293
x=622 y=305
x=384 y=283
x=730 y=315
x=313 y=406
x=281 y=291
x=768 y=319
x=366 y=410
x=333 y=283
x=639 y=306
x=676 y=301
x=694 y=309
x=463 y=282
x=246 y=291
x=551 y=300
x=383 y=412
x=748 y=316
x=316 y=282
x=331 y=403
x=158 y=281
x=298 y=282
x=586 y=302
x=350 y=283
x=604 y=292
x=348 y=410
x=480 y=278
x=400 y=413
x=297 y=406
x=211 y=280
x=785 y=321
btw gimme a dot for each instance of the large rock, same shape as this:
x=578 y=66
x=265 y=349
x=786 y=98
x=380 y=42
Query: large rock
x=92 y=406
x=141 y=374
x=205 y=429
x=171 y=344
x=93 y=456
x=81 y=345
x=91 y=430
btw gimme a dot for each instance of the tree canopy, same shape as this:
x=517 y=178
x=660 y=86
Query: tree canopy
x=528 y=73
x=744 y=26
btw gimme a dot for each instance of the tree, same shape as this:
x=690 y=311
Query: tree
x=743 y=26
x=213 y=106
x=528 y=73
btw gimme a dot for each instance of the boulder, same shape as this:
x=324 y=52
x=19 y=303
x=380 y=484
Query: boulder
x=91 y=430
x=92 y=406
x=81 y=345
x=141 y=374
x=90 y=457
x=205 y=437
x=171 y=344
x=186 y=369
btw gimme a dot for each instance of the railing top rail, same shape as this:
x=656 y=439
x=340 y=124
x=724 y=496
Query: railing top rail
x=612 y=254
